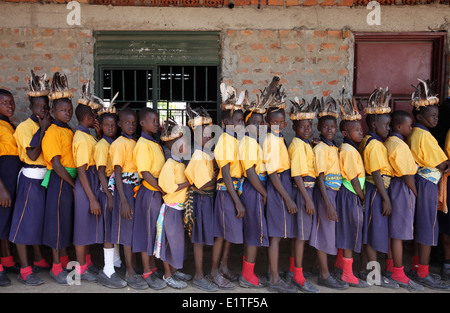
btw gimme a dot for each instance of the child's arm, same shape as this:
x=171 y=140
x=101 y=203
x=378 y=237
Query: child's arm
x=387 y=209
x=5 y=197
x=33 y=153
x=149 y=178
x=357 y=187
x=230 y=188
x=309 y=203
x=410 y=182
x=276 y=182
x=61 y=171
x=256 y=183
x=104 y=182
x=331 y=210
x=125 y=210
x=93 y=202
x=213 y=180
x=183 y=185
x=444 y=166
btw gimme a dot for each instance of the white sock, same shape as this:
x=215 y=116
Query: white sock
x=109 y=261
x=117 y=260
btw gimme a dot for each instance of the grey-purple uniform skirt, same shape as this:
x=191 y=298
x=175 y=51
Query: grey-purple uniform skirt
x=88 y=228
x=202 y=230
x=403 y=202
x=304 y=221
x=426 y=227
x=121 y=227
x=10 y=166
x=444 y=218
x=173 y=241
x=226 y=224
x=106 y=215
x=147 y=206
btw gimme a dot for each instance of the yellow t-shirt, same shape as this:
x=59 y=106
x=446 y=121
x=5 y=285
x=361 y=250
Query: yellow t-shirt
x=400 y=157
x=375 y=157
x=121 y=153
x=172 y=174
x=425 y=148
x=350 y=162
x=447 y=144
x=276 y=156
x=250 y=154
x=326 y=159
x=226 y=152
x=23 y=135
x=200 y=169
x=58 y=141
x=83 y=149
x=302 y=158
x=102 y=157
x=8 y=145
x=148 y=157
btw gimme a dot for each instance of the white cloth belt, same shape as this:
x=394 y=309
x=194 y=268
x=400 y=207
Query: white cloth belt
x=34 y=172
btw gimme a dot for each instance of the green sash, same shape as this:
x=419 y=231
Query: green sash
x=348 y=184
x=72 y=171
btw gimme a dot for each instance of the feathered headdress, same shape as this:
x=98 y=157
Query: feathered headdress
x=378 y=102
x=424 y=94
x=106 y=109
x=349 y=107
x=38 y=85
x=274 y=95
x=88 y=99
x=60 y=87
x=229 y=97
x=171 y=130
x=328 y=107
x=198 y=116
x=301 y=110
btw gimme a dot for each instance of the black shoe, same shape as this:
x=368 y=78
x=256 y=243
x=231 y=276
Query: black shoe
x=4 y=279
x=307 y=286
x=204 y=284
x=332 y=283
x=61 y=278
x=136 y=282
x=31 y=280
x=445 y=271
x=155 y=282
x=430 y=282
x=15 y=269
x=246 y=284
x=93 y=269
x=113 y=282
x=281 y=286
x=411 y=285
x=88 y=276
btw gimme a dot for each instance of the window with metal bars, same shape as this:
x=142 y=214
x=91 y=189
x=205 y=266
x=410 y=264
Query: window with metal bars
x=169 y=92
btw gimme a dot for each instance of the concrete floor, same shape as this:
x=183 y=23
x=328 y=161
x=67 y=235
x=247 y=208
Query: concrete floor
x=235 y=264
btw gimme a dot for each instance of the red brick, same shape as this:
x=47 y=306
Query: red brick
x=347 y=3
x=334 y=58
x=266 y=33
x=291 y=3
x=230 y=33
x=342 y=72
x=72 y=45
x=66 y=57
x=13 y=79
x=276 y=2
x=326 y=93
x=317 y=83
x=300 y=82
x=299 y=59
x=37 y=68
x=343 y=47
x=55 y=69
x=239 y=3
x=246 y=59
x=334 y=33
x=326 y=46
x=327 y=2
x=247 y=82
x=310 y=2
x=264 y=59
x=284 y=33
x=291 y=46
x=275 y=46
x=283 y=59
x=309 y=92
x=320 y=33
x=16 y=58
x=333 y=82
x=257 y=46
x=48 y=56
x=310 y=47
x=38 y=44
x=246 y=32
x=242 y=70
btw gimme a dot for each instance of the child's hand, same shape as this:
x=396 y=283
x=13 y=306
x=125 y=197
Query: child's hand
x=264 y=196
x=315 y=141
x=309 y=207
x=5 y=198
x=387 y=208
x=240 y=210
x=95 y=207
x=110 y=200
x=291 y=206
x=45 y=122
x=98 y=129
x=331 y=213
x=126 y=210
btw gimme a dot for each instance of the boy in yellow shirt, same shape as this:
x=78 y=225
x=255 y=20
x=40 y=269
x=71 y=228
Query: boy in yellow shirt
x=170 y=246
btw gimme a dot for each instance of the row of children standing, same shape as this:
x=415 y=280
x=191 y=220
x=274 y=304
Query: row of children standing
x=124 y=192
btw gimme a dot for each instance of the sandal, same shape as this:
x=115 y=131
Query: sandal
x=231 y=276
x=221 y=281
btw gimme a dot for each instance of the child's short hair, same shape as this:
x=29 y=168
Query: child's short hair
x=398 y=117
x=228 y=114
x=126 y=111
x=55 y=102
x=83 y=111
x=325 y=118
x=145 y=111
x=4 y=92
x=420 y=110
x=101 y=117
x=272 y=110
x=33 y=99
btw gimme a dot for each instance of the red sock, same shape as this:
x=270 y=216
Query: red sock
x=81 y=268
x=64 y=260
x=399 y=274
x=415 y=262
x=291 y=264
x=153 y=270
x=41 y=263
x=248 y=274
x=298 y=275
x=146 y=275
x=389 y=265
x=24 y=272
x=1 y=268
x=347 y=271
x=8 y=261
x=88 y=259
x=422 y=270
x=340 y=255
x=57 y=268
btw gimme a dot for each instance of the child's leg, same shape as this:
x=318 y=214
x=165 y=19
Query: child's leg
x=347 y=267
x=225 y=256
x=108 y=256
x=129 y=260
x=248 y=265
x=216 y=254
x=274 y=248
x=146 y=264
x=322 y=257
x=22 y=252
x=198 y=258
x=299 y=248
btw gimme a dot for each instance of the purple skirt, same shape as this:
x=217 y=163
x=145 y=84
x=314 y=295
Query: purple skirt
x=280 y=223
x=255 y=226
x=10 y=166
x=28 y=218
x=350 y=220
x=147 y=206
x=304 y=220
x=444 y=218
x=88 y=228
x=375 y=228
x=403 y=202
x=426 y=228
x=121 y=227
x=323 y=233
x=173 y=241
x=226 y=224
x=107 y=217
x=202 y=230
x=58 y=220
